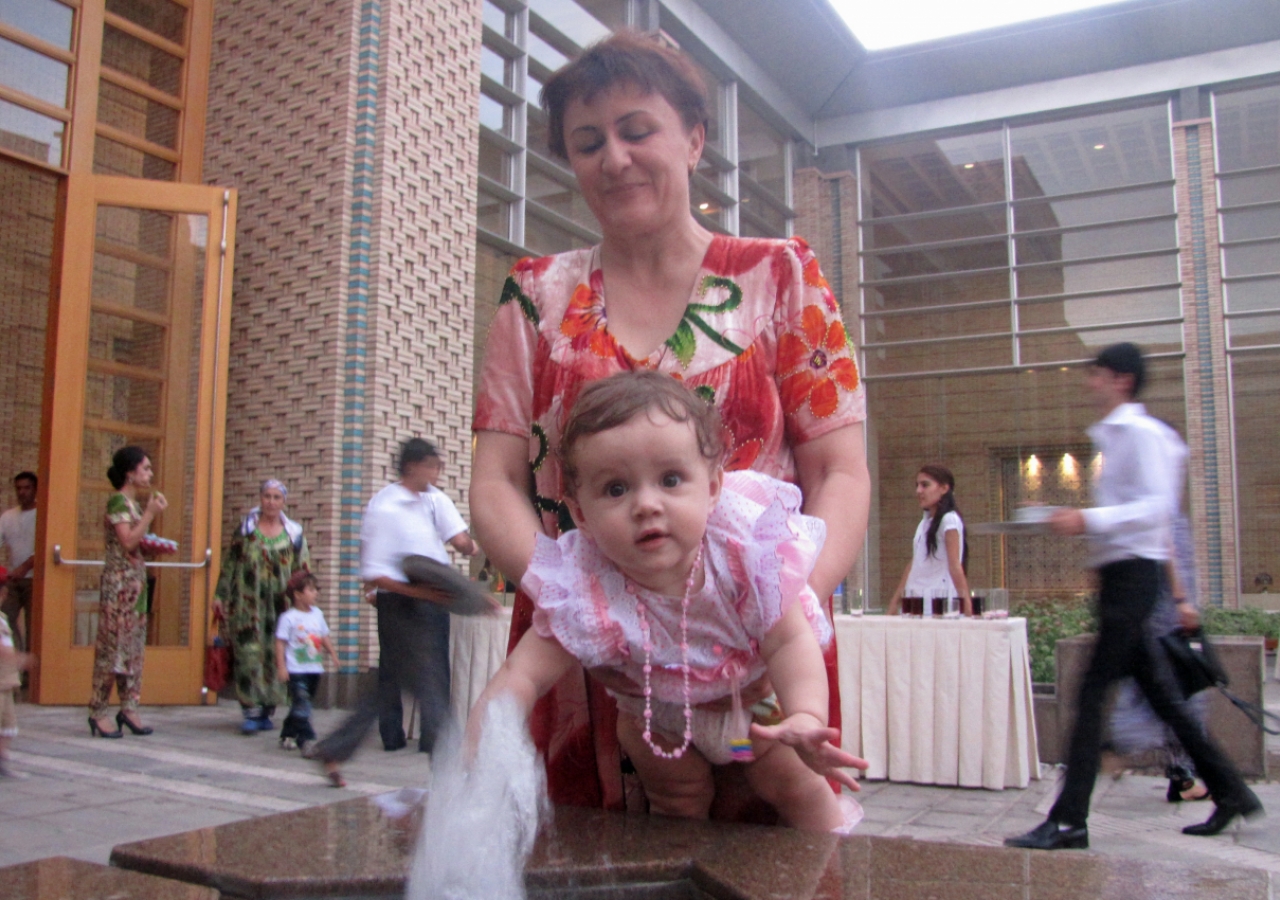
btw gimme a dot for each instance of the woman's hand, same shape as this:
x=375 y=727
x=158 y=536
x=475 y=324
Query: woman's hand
x=157 y=504
x=812 y=742
x=1188 y=616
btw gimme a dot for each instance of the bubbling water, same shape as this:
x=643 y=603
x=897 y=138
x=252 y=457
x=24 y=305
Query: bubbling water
x=481 y=820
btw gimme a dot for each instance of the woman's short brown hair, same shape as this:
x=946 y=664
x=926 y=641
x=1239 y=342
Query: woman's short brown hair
x=626 y=57
x=616 y=400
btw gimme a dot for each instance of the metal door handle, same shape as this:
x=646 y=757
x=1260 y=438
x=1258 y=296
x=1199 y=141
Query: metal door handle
x=59 y=561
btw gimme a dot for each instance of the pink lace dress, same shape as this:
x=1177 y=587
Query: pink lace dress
x=758 y=553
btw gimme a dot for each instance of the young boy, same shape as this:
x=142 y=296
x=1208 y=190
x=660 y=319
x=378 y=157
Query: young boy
x=12 y=663
x=302 y=642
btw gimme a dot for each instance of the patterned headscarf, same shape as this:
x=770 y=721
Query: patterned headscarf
x=274 y=483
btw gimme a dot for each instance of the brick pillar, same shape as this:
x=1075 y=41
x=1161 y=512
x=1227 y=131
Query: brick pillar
x=349 y=128
x=1211 y=476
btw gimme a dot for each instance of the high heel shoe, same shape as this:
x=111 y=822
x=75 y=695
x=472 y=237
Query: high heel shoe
x=1246 y=807
x=122 y=722
x=96 y=730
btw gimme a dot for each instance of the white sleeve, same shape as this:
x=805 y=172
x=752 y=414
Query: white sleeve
x=324 y=626
x=448 y=520
x=951 y=522
x=378 y=543
x=282 y=626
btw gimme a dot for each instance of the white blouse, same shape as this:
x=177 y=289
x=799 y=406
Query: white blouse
x=931 y=572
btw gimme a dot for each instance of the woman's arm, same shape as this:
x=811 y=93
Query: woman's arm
x=130 y=534
x=837 y=489
x=896 y=600
x=794 y=661
x=955 y=566
x=504 y=521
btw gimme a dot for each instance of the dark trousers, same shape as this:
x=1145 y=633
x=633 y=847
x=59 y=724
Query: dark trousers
x=16 y=601
x=297 y=724
x=1125 y=647
x=414 y=636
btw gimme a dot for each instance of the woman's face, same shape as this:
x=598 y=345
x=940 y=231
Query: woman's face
x=632 y=155
x=140 y=477
x=271 y=502
x=929 y=492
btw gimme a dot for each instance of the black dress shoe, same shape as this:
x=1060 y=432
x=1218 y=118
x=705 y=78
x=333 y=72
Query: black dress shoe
x=392 y=747
x=1246 y=807
x=1051 y=835
x=122 y=721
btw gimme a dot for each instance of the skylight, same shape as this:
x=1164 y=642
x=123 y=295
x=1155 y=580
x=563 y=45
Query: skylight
x=880 y=25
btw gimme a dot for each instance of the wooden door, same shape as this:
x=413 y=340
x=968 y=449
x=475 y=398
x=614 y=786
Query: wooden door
x=137 y=354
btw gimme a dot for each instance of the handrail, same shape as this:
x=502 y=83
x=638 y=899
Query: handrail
x=59 y=561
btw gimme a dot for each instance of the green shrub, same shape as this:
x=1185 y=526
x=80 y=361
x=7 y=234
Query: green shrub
x=1258 y=622
x=1050 y=619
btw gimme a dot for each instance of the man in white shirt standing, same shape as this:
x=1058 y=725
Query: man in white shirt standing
x=18 y=533
x=408 y=517
x=1129 y=528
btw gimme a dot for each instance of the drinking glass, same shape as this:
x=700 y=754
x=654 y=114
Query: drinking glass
x=978 y=597
x=912 y=606
x=938 y=598
x=997 y=604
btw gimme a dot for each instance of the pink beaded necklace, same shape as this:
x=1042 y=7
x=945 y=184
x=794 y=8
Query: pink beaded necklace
x=684 y=668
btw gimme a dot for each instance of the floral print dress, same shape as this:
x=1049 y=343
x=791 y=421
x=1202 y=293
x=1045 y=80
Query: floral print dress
x=122 y=614
x=761 y=337
x=251 y=587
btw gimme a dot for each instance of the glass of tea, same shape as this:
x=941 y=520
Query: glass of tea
x=978 y=599
x=913 y=606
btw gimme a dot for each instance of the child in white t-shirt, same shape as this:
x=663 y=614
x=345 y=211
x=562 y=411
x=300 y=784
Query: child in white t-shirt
x=302 y=642
x=12 y=662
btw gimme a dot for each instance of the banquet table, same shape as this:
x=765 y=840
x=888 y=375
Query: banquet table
x=938 y=701
x=477 y=649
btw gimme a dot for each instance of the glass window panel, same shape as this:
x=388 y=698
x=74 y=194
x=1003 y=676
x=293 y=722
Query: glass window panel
x=127 y=341
x=118 y=398
x=948 y=356
x=126 y=53
x=1248 y=125
x=1246 y=224
x=945 y=227
x=544 y=53
x=771 y=222
x=1251 y=259
x=706 y=204
x=761 y=152
x=532 y=87
x=544 y=238
x=496 y=18
x=495 y=115
x=1248 y=296
x=1106 y=309
x=939 y=292
x=30 y=134
x=1256 y=187
x=1256 y=331
x=559 y=198
x=1086 y=153
x=1073 y=346
x=536 y=132
x=923 y=174
x=496 y=66
x=715 y=140
x=493 y=214
x=936 y=260
x=1254 y=377
x=113 y=158
x=162 y=17
x=495 y=162
x=939 y=324
x=1075 y=278
x=1120 y=238
x=33 y=73
x=1109 y=207
x=575 y=22
x=46 y=19
x=137 y=115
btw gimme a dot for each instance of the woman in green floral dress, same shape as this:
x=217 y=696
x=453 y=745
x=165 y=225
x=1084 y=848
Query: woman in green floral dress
x=265 y=551
x=122 y=610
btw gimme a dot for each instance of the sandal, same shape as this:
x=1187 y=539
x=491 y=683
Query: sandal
x=334 y=775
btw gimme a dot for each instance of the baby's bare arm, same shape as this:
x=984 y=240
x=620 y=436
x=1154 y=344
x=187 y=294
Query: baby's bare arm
x=533 y=667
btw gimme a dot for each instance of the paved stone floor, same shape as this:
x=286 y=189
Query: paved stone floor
x=79 y=796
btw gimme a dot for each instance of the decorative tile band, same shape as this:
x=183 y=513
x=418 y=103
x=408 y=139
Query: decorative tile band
x=355 y=341
x=1211 y=581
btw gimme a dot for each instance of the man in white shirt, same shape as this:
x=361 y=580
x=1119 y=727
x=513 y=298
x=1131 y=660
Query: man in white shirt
x=1129 y=528
x=408 y=517
x=18 y=534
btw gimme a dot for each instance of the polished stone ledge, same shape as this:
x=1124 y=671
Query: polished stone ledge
x=348 y=849
x=62 y=878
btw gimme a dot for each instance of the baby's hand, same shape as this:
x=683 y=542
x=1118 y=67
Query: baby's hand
x=812 y=742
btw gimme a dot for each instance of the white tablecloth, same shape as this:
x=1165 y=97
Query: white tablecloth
x=477 y=649
x=938 y=701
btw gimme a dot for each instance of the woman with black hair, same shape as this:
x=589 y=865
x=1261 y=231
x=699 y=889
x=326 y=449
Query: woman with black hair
x=122 y=609
x=938 y=551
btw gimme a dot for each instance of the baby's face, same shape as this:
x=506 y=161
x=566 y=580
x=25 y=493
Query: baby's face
x=644 y=495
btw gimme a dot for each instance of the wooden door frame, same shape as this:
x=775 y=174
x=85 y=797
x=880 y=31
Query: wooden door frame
x=64 y=673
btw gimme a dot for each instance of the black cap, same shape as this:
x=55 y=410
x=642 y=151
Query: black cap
x=1124 y=359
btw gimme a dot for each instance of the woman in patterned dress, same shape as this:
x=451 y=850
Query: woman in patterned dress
x=122 y=609
x=751 y=325
x=265 y=551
